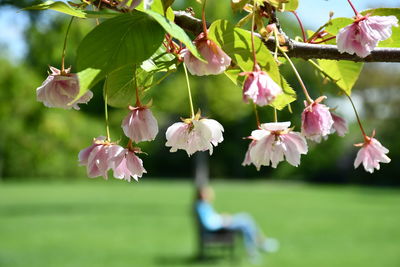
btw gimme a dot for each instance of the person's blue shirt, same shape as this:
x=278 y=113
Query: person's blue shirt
x=208 y=216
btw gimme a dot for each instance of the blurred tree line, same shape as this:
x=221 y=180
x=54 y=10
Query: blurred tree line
x=39 y=142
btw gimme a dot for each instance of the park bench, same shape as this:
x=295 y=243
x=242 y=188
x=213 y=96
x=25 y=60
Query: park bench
x=222 y=240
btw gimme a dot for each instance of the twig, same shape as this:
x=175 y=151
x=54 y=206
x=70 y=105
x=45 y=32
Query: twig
x=299 y=49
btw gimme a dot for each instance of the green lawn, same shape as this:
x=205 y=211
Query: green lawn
x=113 y=223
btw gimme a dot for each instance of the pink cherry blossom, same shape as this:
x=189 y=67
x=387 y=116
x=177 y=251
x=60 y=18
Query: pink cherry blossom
x=260 y=88
x=140 y=124
x=363 y=35
x=273 y=143
x=339 y=125
x=247 y=159
x=371 y=154
x=99 y=157
x=194 y=135
x=60 y=89
x=316 y=120
x=127 y=165
x=217 y=60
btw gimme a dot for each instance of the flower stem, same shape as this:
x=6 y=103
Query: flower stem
x=324 y=40
x=137 y=104
x=160 y=80
x=317 y=32
x=189 y=91
x=358 y=117
x=348 y=96
x=106 y=113
x=275 y=115
x=129 y=145
x=308 y=98
x=354 y=9
x=256 y=114
x=252 y=36
x=303 y=33
x=65 y=46
x=203 y=17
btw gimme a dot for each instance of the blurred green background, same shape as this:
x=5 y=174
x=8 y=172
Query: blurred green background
x=51 y=215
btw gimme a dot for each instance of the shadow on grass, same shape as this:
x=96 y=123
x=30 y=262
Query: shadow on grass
x=187 y=260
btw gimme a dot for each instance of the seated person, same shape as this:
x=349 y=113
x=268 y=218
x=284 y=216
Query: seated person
x=253 y=237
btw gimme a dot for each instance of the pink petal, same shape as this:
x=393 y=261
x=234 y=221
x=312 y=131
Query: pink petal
x=275 y=126
x=135 y=165
x=316 y=121
x=295 y=146
x=177 y=136
x=217 y=60
x=362 y=36
x=371 y=154
x=260 y=88
x=260 y=152
x=60 y=90
x=216 y=130
x=339 y=125
x=140 y=125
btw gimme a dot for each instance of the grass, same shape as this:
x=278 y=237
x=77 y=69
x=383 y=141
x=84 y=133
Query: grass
x=100 y=223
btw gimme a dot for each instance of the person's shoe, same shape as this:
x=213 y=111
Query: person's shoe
x=270 y=245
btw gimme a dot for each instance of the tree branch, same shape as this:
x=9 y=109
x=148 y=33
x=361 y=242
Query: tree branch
x=298 y=49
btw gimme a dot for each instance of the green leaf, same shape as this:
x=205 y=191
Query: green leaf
x=159 y=7
x=238 y=5
x=175 y=31
x=87 y=79
x=120 y=85
x=288 y=96
x=291 y=5
x=58 y=6
x=167 y=3
x=233 y=75
x=124 y=40
x=394 y=40
x=104 y=14
x=344 y=72
x=236 y=43
x=69 y=10
x=285 y=5
x=160 y=61
x=337 y=24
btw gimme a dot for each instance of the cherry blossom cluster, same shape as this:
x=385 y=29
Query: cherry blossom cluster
x=270 y=144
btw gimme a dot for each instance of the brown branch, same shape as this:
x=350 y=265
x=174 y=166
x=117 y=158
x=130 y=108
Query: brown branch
x=299 y=49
